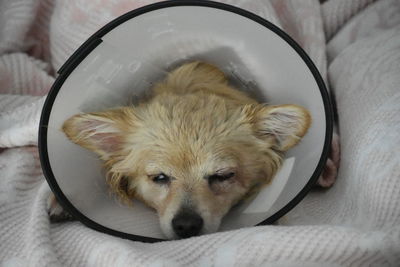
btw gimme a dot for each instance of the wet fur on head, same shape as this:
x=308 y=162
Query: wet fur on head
x=214 y=143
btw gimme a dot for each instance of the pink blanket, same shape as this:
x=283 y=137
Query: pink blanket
x=354 y=223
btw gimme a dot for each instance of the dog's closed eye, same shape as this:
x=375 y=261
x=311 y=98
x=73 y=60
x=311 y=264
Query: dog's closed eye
x=220 y=177
x=221 y=182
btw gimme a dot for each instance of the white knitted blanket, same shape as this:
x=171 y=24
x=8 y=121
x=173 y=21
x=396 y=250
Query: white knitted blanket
x=355 y=223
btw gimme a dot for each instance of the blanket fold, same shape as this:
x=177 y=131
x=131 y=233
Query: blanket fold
x=354 y=223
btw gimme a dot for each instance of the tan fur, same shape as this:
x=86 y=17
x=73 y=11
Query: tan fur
x=193 y=126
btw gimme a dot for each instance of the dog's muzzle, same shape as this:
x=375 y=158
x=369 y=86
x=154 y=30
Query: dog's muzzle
x=187 y=223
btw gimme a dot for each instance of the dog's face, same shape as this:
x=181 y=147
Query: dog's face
x=190 y=156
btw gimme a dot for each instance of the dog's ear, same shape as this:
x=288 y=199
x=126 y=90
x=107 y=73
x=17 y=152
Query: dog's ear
x=101 y=132
x=283 y=125
x=192 y=76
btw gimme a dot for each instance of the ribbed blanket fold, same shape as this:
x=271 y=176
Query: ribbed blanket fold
x=356 y=46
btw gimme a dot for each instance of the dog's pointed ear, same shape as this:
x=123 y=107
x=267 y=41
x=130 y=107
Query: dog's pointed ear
x=193 y=75
x=282 y=125
x=101 y=132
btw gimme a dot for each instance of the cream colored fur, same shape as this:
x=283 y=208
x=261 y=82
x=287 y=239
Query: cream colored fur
x=192 y=127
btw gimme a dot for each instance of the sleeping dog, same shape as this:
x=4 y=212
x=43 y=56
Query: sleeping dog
x=192 y=150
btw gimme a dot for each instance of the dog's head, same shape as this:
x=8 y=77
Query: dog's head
x=190 y=156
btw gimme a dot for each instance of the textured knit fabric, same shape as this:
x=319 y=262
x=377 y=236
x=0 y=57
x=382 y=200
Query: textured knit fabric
x=355 y=223
x=337 y=13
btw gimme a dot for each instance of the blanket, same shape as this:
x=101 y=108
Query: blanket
x=356 y=46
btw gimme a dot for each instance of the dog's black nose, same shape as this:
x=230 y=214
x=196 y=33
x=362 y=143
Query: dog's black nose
x=187 y=224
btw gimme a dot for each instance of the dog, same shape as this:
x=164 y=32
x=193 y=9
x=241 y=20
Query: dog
x=192 y=150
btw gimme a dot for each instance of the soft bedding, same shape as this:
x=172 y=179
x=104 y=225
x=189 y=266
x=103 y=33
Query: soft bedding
x=356 y=46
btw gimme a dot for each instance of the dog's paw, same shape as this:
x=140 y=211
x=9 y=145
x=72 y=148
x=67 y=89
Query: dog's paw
x=56 y=211
x=328 y=176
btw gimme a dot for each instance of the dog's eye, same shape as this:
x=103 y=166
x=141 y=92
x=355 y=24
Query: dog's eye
x=161 y=179
x=220 y=177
